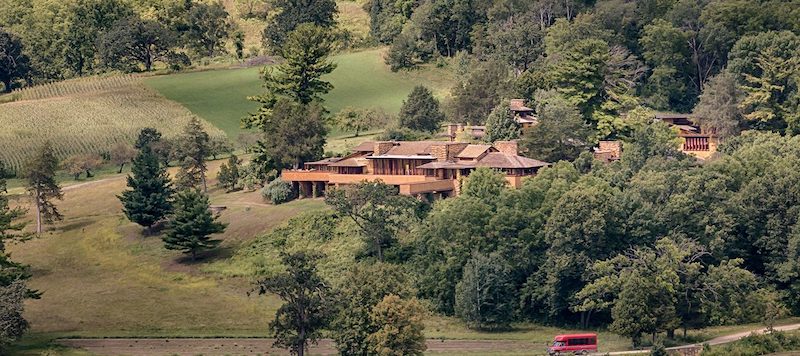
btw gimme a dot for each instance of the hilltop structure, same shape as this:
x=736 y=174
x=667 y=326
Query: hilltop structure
x=418 y=168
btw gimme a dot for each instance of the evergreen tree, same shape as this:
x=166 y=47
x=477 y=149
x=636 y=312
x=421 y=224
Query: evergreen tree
x=10 y=227
x=306 y=309
x=719 y=107
x=195 y=146
x=421 y=111
x=42 y=186
x=561 y=133
x=192 y=224
x=306 y=53
x=149 y=199
x=500 y=125
x=228 y=176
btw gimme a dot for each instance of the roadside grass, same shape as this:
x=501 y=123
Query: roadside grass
x=361 y=80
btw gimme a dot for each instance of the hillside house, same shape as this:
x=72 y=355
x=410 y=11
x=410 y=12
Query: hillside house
x=418 y=168
x=524 y=115
x=696 y=141
x=454 y=131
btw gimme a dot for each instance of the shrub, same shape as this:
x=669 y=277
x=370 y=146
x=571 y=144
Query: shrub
x=278 y=192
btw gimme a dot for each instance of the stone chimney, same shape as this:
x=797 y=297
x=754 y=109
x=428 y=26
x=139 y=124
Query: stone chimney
x=381 y=147
x=439 y=151
x=507 y=147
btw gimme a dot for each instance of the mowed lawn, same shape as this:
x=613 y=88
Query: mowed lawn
x=361 y=80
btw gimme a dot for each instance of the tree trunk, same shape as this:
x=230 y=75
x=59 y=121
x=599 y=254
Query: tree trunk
x=7 y=86
x=378 y=249
x=203 y=178
x=194 y=255
x=684 y=332
x=671 y=334
x=38 y=216
x=120 y=167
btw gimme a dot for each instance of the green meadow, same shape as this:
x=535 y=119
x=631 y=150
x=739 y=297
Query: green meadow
x=361 y=80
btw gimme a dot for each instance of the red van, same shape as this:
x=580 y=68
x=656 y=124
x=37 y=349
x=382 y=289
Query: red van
x=573 y=344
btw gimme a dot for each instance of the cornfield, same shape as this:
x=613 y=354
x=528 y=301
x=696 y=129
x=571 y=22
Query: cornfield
x=85 y=116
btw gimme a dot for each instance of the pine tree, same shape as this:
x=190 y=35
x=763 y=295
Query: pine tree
x=150 y=197
x=195 y=147
x=10 y=227
x=421 y=111
x=192 y=225
x=42 y=186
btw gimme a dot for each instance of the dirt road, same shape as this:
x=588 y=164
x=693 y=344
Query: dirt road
x=254 y=346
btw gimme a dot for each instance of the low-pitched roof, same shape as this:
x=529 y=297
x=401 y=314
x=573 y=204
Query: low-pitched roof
x=325 y=161
x=473 y=151
x=367 y=146
x=503 y=160
x=413 y=148
x=349 y=162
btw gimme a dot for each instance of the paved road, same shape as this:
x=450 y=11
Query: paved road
x=715 y=341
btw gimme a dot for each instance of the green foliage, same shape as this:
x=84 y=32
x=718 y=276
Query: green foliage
x=12 y=297
x=719 y=109
x=561 y=133
x=403 y=134
x=306 y=309
x=208 y=28
x=294 y=13
x=484 y=184
x=132 y=42
x=149 y=199
x=292 y=133
x=363 y=287
x=306 y=52
x=40 y=176
x=14 y=64
x=278 y=191
x=193 y=148
x=500 y=125
x=482 y=90
x=228 y=176
x=484 y=296
x=359 y=120
x=378 y=211
x=192 y=224
x=400 y=327
x=421 y=111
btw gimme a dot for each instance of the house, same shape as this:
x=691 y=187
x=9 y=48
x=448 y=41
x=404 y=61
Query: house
x=418 y=168
x=523 y=115
x=454 y=131
x=608 y=151
x=696 y=141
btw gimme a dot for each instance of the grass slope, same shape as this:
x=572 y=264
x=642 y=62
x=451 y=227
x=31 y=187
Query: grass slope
x=360 y=80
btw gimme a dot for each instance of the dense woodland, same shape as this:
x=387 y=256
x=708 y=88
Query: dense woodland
x=644 y=246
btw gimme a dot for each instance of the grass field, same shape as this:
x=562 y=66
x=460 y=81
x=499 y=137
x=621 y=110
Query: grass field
x=80 y=116
x=360 y=80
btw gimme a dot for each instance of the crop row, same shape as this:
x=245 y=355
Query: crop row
x=74 y=86
x=87 y=123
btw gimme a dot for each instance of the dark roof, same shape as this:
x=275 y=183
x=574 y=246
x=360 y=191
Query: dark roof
x=349 y=162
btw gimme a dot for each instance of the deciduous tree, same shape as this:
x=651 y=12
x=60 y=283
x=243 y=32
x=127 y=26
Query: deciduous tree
x=484 y=298
x=14 y=62
x=133 y=41
x=121 y=154
x=292 y=14
x=561 y=133
x=307 y=302
x=400 y=327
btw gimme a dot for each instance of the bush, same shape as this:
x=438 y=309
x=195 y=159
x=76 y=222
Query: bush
x=278 y=192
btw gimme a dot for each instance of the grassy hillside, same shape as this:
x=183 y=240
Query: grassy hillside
x=85 y=115
x=361 y=80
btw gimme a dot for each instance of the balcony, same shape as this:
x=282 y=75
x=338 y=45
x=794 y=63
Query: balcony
x=301 y=175
x=427 y=187
x=696 y=143
x=335 y=178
